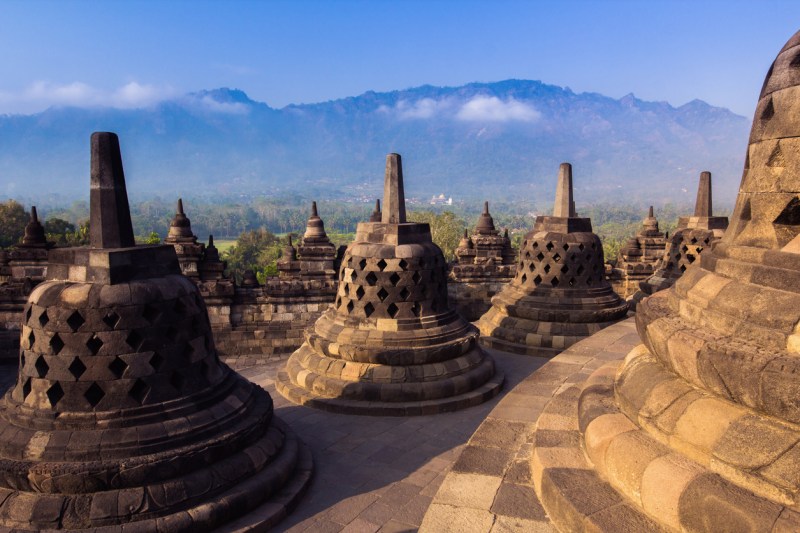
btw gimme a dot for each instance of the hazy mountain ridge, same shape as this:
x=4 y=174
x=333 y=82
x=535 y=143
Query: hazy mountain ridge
x=473 y=141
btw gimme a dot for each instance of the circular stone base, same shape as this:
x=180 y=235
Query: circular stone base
x=301 y=396
x=502 y=345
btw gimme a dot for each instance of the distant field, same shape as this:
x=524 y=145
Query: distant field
x=224 y=244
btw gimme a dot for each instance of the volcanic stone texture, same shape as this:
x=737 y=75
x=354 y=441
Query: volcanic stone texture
x=699 y=427
x=122 y=417
x=559 y=294
x=638 y=258
x=391 y=344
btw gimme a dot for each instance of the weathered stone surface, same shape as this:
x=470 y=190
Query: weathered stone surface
x=559 y=294
x=122 y=417
x=390 y=344
x=638 y=259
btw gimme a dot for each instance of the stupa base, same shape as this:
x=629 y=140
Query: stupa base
x=299 y=395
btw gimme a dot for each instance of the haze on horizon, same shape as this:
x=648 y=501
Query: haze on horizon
x=137 y=53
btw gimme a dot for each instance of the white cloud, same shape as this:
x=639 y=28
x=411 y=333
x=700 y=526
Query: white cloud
x=208 y=103
x=42 y=94
x=492 y=109
x=476 y=109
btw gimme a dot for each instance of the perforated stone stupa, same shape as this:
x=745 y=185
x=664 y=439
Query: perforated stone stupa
x=485 y=263
x=699 y=428
x=559 y=294
x=638 y=258
x=391 y=344
x=122 y=417
x=692 y=236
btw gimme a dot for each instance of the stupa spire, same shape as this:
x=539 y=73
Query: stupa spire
x=110 y=215
x=703 y=207
x=394 y=200
x=564 y=206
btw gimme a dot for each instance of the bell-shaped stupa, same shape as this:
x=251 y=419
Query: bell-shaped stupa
x=181 y=237
x=693 y=235
x=391 y=344
x=699 y=427
x=122 y=417
x=559 y=294
x=638 y=258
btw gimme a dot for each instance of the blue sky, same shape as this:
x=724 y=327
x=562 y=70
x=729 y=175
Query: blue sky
x=135 y=53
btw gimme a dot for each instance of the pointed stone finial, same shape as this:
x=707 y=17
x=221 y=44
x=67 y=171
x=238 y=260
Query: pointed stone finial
x=315 y=227
x=485 y=222
x=180 y=206
x=466 y=236
x=394 y=200
x=210 y=241
x=650 y=213
x=34 y=214
x=110 y=215
x=702 y=208
x=314 y=209
x=34 y=231
x=376 y=213
x=486 y=208
x=564 y=206
x=290 y=239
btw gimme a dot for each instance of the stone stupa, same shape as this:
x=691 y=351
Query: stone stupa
x=559 y=294
x=693 y=235
x=122 y=417
x=391 y=344
x=485 y=263
x=638 y=258
x=181 y=237
x=698 y=429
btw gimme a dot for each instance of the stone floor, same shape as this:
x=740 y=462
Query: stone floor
x=461 y=472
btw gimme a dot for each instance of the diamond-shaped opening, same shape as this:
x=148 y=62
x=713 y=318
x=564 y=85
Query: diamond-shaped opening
x=564 y=269
x=111 y=319
x=572 y=282
x=556 y=258
x=118 y=367
x=28 y=313
x=94 y=344
x=383 y=294
x=21 y=360
x=404 y=293
x=177 y=380
x=56 y=343
x=353 y=276
x=531 y=267
x=537 y=280
x=359 y=292
x=381 y=264
x=416 y=277
x=535 y=244
x=547 y=269
x=540 y=256
x=403 y=264
x=565 y=247
x=394 y=279
x=32 y=339
x=346 y=288
x=683 y=268
x=43 y=318
x=134 y=340
x=139 y=391
x=372 y=279
x=554 y=282
x=549 y=246
x=156 y=361
x=338 y=301
x=362 y=264
x=580 y=246
x=392 y=310
x=690 y=258
x=589 y=280
x=594 y=246
x=77 y=368
x=151 y=313
x=369 y=309
x=26 y=388
x=94 y=394
x=524 y=278
x=694 y=240
x=350 y=306
x=55 y=393
x=75 y=321
x=684 y=248
x=706 y=241
x=769 y=111
x=41 y=367
x=527 y=255
x=416 y=309
x=795 y=61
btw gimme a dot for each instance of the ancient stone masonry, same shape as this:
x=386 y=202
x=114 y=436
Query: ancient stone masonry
x=390 y=344
x=189 y=251
x=698 y=429
x=485 y=263
x=638 y=258
x=559 y=294
x=122 y=417
x=692 y=236
x=23 y=267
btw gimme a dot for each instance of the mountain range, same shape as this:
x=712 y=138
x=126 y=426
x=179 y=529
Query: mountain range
x=501 y=140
